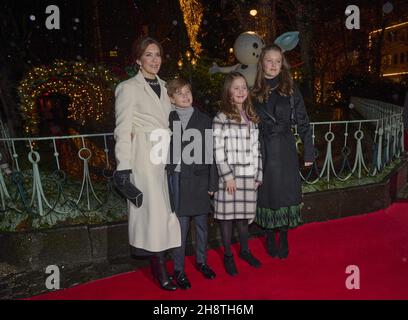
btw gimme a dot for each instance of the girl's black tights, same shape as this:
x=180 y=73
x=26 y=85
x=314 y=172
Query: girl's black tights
x=226 y=234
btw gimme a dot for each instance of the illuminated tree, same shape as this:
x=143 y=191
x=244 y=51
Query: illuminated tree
x=89 y=88
x=193 y=15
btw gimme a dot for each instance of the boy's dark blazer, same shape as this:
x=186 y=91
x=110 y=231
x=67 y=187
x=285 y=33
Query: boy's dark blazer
x=196 y=179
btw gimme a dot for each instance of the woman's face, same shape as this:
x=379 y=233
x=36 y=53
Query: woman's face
x=150 y=61
x=272 y=63
x=238 y=91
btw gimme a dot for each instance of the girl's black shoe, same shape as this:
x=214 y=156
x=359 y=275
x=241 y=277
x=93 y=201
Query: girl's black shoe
x=229 y=265
x=248 y=257
x=206 y=271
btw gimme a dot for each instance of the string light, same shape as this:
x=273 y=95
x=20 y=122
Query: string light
x=193 y=12
x=391 y=27
x=395 y=74
x=90 y=88
x=180 y=64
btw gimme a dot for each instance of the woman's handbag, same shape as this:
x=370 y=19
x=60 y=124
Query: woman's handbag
x=121 y=180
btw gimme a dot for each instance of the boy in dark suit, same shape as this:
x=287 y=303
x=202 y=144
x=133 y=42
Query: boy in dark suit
x=192 y=176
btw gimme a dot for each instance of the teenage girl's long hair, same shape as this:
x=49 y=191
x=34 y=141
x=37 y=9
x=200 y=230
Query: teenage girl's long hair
x=228 y=108
x=261 y=89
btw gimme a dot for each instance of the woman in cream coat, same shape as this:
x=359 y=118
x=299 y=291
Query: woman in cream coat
x=142 y=107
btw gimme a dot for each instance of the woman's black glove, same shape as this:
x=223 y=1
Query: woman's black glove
x=121 y=180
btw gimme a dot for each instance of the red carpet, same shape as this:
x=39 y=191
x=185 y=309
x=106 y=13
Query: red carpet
x=316 y=267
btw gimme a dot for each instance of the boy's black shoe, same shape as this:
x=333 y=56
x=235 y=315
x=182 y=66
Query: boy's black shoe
x=229 y=265
x=248 y=257
x=181 y=280
x=206 y=270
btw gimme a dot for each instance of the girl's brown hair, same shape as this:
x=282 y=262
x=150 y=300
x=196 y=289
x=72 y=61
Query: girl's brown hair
x=261 y=89
x=140 y=45
x=228 y=108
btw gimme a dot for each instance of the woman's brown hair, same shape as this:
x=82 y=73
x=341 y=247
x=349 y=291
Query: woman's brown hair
x=140 y=45
x=261 y=89
x=228 y=108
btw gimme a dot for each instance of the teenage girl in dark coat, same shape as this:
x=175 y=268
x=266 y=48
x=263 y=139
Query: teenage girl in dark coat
x=279 y=105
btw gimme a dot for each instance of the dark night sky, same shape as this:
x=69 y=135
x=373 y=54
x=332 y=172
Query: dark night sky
x=25 y=41
x=119 y=24
x=121 y=21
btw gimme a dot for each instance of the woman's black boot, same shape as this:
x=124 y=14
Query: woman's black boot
x=160 y=273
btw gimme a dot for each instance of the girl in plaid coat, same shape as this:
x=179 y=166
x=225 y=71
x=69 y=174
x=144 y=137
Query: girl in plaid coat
x=239 y=164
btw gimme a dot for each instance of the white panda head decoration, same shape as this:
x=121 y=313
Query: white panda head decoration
x=248 y=47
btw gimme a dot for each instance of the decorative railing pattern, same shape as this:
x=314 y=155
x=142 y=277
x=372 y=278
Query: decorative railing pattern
x=382 y=128
x=68 y=182
x=44 y=192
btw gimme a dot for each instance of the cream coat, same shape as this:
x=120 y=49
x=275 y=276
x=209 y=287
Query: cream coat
x=139 y=112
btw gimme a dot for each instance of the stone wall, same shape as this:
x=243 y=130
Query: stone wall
x=76 y=245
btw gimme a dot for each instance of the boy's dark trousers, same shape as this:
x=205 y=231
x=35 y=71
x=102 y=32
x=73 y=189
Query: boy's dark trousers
x=201 y=223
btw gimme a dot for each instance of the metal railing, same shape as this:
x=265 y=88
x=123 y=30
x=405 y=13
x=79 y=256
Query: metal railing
x=382 y=130
x=43 y=188
x=57 y=189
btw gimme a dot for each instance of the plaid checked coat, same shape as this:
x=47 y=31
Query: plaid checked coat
x=237 y=155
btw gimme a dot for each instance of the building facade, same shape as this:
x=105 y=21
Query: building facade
x=394 y=50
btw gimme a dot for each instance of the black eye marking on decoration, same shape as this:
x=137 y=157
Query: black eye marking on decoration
x=255 y=45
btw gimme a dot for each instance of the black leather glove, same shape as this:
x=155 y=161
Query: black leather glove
x=121 y=180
